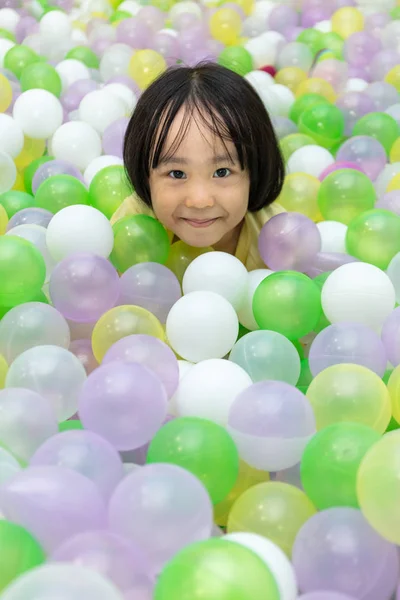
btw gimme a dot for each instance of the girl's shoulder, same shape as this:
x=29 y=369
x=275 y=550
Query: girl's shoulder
x=132 y=205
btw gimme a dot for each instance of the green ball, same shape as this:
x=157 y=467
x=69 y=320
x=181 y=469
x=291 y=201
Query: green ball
x=324 y=123
x=345 y=194
x=293 y=142
x=19 y=552
x=330 y=463
x=22 y=271
x=374 y=237
x=289 y=303
x=380 y=126
x=43 y=76
x=69 y=425
x=393 y=425
x=60 y=191
x=395 y=13
x=334 y=42
x=84 y=55
x=19 y=57
x=120 y=15
x=137 y=239
x=7 y=35
x=216 y=569
x=305 y=376
x=189 y=442
x=312 y=38
x=304 y=103
x=299 y=348
x=236 y=58
x=30 y=171
x=108 y=189
x=323 y=321
x=14 y=201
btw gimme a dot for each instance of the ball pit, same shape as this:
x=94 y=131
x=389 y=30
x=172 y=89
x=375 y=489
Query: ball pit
x=172 y=424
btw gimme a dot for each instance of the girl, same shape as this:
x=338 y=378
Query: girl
x=202 y=156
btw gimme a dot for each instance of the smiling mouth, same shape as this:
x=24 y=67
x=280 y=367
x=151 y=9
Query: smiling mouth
x=200 y=223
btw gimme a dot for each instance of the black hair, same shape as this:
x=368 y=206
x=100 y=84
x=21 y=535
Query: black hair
x=227 y=104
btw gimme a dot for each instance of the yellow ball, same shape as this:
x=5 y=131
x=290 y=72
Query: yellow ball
x=346 y=21
x=3 y=220
x=247 y=478
x=119 y=322
x=5 y=93
x=3 y=371
x=394 y=392
x=225 y=26
x=349 y=392
x=393 y=77
x=315 y=85
x=19 y=184
x=300 y=193
x=181 y=255
x=394 y=183
x=145 y=66
x=378 y=486
x=32 y=150
x=274 y=510
x=395 y=152
x=291 y=77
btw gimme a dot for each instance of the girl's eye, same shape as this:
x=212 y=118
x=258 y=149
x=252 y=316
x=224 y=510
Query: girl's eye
x=177 y=174
x=222 y=173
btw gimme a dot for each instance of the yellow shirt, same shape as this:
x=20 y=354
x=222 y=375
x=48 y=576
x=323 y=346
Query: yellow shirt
x=247 y=248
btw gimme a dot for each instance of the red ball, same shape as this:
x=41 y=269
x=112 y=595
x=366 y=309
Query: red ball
x=268 y=69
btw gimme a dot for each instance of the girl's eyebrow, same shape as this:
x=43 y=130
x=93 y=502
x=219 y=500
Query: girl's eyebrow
x=177 y=160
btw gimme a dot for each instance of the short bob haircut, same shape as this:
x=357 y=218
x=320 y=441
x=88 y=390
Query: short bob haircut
x=227 y=104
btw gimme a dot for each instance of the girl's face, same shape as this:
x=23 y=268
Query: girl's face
x=200 y=193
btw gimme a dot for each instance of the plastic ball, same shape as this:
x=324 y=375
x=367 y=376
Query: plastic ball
x=292 y=142
x=181 y=255
x=316 y=85
x=245 y=313
x=145 y=66
x=76 y=142
x=291 y=77
x=209 y=389
x=23 y=430
x=358 y=293
x=98 y=164
x=349 y=392
x=21 y=552
x=366 y=152
x=182 y=515
x=237 y=59
x=29 y=325
x=30 y=171
x=61 y=191
x=225 y=26
x=274 y=510
x=43 y=76
x=299 y=194
x=345 y=194
x=346 y=21
x=372 y=237
x=38 y=112
x=77 y=583
x=333 y=236
x=108 y=188
x=71 y=70
x=100 y=109
x=8 y=172
x=345 y=343
x=14 y=201
x=115 y=60
x=12 y=136
x=113 y=137
x=380 y=126
x=79 y=229
x=310 y=159
x=22 y=271
x=330 y=463
x=5 y=93
x=354 y=105
x=338 y=550
x=37 y=236
x=395 y=152
x=187 y=442
x=287 y=302
x=3 y=220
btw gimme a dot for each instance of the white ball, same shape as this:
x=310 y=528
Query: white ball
x=355 y=84
x=245 y=313
x=100 y=109
x=202 y=325
x=324 y=26
x=130 y=6
x=260 y=81
x=11 y=136
x=123 y=93
x=217 y=272
x=55 y=24
x=37 y=235
x=8 y=172
x=99 y=163
x=39 y=113
x=5 y=46
x=79 y=228
x=283 y=100
x=333 y=236
x=71 y=70
x=9 y=19
x=358 y=293
x=184 y=368
x=265 y=47
x=310 y=159
x=76 y=142
x=185 y=7
x=79 y=37
x=262 y=9
x=393 y=272
x=115 y=61
x=275 y=559
x=209 y=389
x=385 y=176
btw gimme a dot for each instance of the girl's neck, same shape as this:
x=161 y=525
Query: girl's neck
x=230 y=241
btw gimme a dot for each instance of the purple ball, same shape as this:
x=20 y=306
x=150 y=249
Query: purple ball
x=376 y=22
x=113 y=556
x=289 y=241
x=281 y=18
x=150 y=352
x=166 y=45
x=72 y=98
x=359 y=73
x=30 y=216
x=382 y=63
x=125 y=403
x=343 y=343
x=134 y=33
x=25 y=26
x=52 y=168
x=329 y=261
x=84 y=452
x=325 y=596
x=151 y=16
x=113 y=137
x=338 y=550
x=290 y=476
x=126 y=80
x=354 y=105
x=366 y=152
x=84 y=286
x=139 y=456
x=162 y=508
x=382 y=94
x=53 y=504
x=151 y=286
x=338 y=166
x=391 y=336
x=360 y=48
x=310 y=17
x=390 y=201
x=100 y=45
